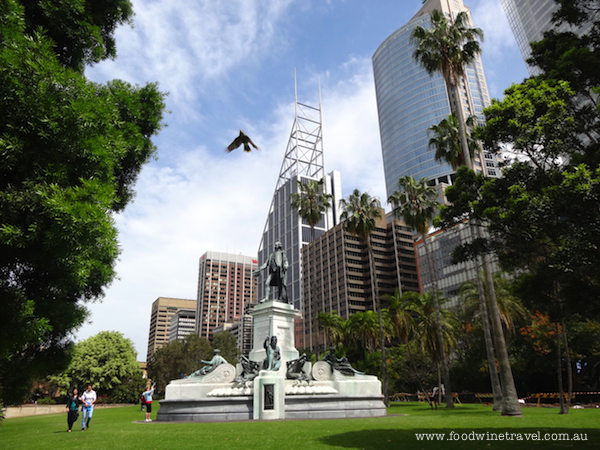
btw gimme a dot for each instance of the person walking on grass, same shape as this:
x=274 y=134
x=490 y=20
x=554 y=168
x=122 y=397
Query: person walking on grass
x=88 y=398
x=147 y=395
x=72 y=408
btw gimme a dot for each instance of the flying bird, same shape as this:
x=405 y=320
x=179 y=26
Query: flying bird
x=241 y=139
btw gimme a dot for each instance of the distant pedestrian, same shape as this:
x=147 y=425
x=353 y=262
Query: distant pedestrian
x=88 y=398
x=143 y=402
x=148 y=401
x=72 y=408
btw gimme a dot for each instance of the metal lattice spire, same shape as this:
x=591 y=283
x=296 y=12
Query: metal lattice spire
x=304 y=152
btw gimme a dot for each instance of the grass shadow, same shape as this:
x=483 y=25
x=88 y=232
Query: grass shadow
x=465 y=438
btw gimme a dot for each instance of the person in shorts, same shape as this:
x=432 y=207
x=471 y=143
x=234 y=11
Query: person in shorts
x=147 y=395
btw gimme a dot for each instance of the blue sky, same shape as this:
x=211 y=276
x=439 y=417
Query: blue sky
x=229 y=65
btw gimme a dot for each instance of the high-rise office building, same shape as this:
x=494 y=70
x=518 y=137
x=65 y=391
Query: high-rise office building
x=337 y=276
x=410 y=101
x=303 y=161
x=241 y=329
x=449 y=277
x=182 y=324
x=163 y=310
x=225 y=288
x=529 y=19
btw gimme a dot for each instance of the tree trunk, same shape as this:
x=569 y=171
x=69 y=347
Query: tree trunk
x=489 y=344
x=487 y=334
x=439 y=386
x=510 y=399
x=412 y=362
x=440 y=332
x=569 y=366
x=561 y=397
x=460 y=115
x=375 y=292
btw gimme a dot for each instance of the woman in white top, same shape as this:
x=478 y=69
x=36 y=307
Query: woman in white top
x=88 y=398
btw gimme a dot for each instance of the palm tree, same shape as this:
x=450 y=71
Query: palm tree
x=416 y=203
x=448 y=47
x=399 y=309
x=333 y=326
x=359 y=214
x=510 y=307
x=446 y=141
x=363 y=327
x=428 y=319
x=468 y=292
x=311 y=202
x=473 y=300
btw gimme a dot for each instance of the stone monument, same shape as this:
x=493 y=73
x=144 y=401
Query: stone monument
x=275 y=382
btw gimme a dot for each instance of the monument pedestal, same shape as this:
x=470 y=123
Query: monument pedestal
x=269 y=396
x=324 y=393
x=273 y=318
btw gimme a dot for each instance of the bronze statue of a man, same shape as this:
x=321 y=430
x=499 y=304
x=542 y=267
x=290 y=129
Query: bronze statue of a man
x=276 y=266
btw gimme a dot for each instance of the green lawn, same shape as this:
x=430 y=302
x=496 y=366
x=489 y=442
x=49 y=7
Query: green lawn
x=117 y=428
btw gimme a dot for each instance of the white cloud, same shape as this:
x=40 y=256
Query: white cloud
x=202 y=201
x=351 y=128
x=491 y=18
x=501 y=58
x=186 y=44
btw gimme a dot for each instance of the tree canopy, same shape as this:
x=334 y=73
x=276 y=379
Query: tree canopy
x=81 y=30
x=70 y=153
x=107 y=360
x=177 y=359
x=227 y=343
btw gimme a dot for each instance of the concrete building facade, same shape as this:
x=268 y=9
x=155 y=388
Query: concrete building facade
x=225 y=289
x=241 y=329
x=336 y=274
x=450 y=277
x=163 y=310
x=182 y=324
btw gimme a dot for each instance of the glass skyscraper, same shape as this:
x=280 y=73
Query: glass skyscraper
x=409 y=101
x=529 y=19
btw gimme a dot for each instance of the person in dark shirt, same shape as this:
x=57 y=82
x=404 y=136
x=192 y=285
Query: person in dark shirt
x=72 y=408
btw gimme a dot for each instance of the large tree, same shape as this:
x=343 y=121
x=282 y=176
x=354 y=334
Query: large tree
x=311 y=202
x=448 y=46
x=81 y=30
x=416 y=203
x=71 y=151
x=332 y=325
x=359 y=213
x=178 y=359
x=543 y=215
x=107 y=360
